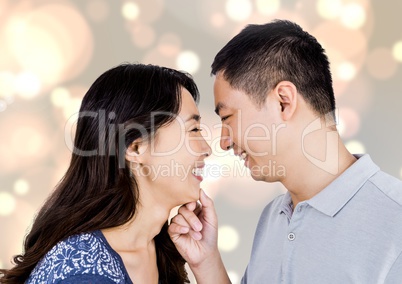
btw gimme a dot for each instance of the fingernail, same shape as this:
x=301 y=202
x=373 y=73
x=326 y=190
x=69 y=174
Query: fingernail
x=197 y=236
x=198 y=226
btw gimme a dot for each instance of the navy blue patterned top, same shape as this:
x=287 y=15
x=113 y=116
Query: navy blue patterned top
x=85 y=258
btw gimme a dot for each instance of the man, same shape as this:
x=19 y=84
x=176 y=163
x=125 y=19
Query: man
x=341 y=218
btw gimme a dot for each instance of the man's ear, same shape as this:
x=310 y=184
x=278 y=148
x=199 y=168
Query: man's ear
x=286 y=93
x=135 y=150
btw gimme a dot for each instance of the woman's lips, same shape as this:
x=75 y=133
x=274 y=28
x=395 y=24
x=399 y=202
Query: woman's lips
x=198 y=172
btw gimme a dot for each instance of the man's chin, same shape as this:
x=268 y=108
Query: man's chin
x=262 y=177
x=258 y=177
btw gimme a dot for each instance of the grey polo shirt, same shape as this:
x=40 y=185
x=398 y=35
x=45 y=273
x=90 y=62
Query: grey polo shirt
x=350 y=232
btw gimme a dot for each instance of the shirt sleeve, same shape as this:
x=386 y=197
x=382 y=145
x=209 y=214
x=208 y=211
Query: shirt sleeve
x=394 y=275
x=86 y=279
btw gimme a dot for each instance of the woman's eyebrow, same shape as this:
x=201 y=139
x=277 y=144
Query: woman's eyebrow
x=195 y=117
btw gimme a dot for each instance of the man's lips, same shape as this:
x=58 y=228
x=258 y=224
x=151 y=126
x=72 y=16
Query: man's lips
x=242 y=155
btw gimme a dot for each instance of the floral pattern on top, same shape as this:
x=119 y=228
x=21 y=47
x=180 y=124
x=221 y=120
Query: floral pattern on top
x=86 y=254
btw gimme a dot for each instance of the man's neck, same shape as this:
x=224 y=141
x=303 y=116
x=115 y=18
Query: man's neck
x=311 y=171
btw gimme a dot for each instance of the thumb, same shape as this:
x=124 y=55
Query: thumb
x=205 y=200
x=207 y=206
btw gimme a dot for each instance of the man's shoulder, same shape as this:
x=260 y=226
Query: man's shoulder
x=389 y=185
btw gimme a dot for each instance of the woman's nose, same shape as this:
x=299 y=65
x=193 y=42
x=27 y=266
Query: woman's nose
x=225 y=142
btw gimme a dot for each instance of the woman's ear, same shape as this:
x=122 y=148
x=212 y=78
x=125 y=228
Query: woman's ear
x=135 y=150
x=287 y=95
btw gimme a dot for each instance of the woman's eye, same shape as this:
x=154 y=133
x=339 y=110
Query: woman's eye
x=196 y=130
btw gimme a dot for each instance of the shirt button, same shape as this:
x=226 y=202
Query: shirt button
x=291 y=236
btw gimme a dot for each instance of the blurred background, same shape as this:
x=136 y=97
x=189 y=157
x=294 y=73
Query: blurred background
x=52 y=51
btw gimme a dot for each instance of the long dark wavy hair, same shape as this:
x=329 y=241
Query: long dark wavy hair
x=98 y=190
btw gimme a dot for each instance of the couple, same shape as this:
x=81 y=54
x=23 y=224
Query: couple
x=106 y=222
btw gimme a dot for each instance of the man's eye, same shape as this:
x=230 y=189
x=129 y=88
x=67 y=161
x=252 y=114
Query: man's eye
x=224 y=118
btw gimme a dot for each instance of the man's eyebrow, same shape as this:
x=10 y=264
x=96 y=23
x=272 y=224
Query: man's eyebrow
x=218 y=107
x=195 y=117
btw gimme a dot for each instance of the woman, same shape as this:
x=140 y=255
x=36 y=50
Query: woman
x=138 y=153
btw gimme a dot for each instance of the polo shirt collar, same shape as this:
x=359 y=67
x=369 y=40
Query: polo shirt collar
x=286 y=206
x=334 y=197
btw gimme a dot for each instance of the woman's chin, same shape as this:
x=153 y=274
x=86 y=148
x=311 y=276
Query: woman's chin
x=193 y=198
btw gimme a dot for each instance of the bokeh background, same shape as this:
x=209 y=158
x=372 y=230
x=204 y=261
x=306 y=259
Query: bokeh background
x=51 y=51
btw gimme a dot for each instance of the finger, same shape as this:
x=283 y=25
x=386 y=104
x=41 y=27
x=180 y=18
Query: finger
x=205 y=200
x=194 y=206
x=195 y=235
x=175 y=230
x=198 y=208
x=208 y=207
x=191 y=205
x=191 y=218
x=179 y=219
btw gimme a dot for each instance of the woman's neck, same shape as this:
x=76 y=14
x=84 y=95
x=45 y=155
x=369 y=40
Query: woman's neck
x=134 y=242
x=139 y=232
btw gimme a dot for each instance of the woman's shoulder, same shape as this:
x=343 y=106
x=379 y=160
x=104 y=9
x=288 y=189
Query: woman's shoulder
x=86 y=254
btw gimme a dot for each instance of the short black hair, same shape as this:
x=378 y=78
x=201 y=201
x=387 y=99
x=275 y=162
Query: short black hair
x=261 y=56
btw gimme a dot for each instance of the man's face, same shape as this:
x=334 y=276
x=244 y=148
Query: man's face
x=251 y=130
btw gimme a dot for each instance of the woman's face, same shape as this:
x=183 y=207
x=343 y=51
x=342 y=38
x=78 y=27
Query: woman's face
x=170 y=168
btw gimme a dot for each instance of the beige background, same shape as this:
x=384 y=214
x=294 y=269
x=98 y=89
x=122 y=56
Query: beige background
x=51 y=51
